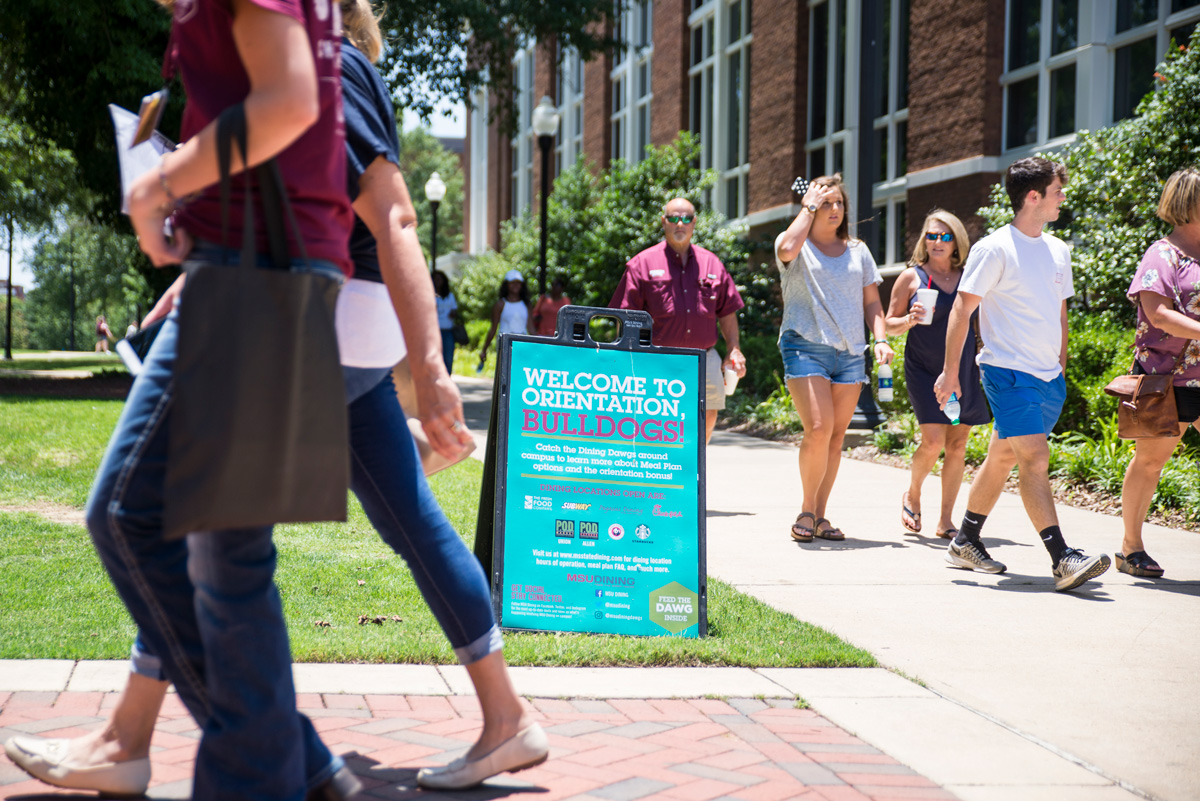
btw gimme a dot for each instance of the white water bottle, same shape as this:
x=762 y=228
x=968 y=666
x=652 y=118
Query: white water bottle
x=885 y=383
x=953 y=409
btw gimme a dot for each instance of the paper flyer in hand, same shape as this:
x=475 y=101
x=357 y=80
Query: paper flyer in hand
x=137 y=159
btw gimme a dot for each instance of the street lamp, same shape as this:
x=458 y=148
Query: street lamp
x=545 y=125
x=435 y=190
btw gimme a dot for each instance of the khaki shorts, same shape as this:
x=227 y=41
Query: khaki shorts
x=714 y=381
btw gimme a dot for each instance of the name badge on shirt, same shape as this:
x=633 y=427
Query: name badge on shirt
x=656 y=273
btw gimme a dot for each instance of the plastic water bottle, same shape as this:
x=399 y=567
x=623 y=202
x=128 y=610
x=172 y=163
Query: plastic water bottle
x=885 y=383
x=953 y=409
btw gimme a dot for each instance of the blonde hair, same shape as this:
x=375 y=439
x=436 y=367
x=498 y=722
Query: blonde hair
x=361 y=27
x=1180 y=201
x=962 y=242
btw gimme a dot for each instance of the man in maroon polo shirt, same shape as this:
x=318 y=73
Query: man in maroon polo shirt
x=688 y=292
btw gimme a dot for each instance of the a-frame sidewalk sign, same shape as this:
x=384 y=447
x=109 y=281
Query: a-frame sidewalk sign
x=592 y=511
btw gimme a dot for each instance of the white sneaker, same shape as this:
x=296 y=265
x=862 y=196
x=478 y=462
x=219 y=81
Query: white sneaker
x=973 y=557
x=1076 y=567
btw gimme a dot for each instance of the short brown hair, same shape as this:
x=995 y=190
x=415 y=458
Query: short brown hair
x=1031 y=174
x=1180 y=201
x=962 y=242
x=835 y=180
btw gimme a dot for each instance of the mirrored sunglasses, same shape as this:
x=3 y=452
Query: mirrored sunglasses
x=680 y=218
x=930 y=236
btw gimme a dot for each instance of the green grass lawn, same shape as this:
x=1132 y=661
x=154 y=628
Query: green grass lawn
x=56 y=602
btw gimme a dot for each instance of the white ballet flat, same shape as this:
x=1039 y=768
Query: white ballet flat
x=44 y=759
x=524 y=749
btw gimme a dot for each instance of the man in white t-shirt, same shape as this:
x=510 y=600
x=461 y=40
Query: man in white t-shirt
x=1019 y=278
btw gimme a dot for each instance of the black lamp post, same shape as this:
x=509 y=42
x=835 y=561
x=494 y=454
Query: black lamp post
x=545 y=126
x=435 y=190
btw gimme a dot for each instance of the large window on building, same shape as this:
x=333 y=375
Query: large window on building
x=630 y=81
x=890 y=186
x=524 y=143
x=719 y=96
x=830 y=117
x=1076 y=64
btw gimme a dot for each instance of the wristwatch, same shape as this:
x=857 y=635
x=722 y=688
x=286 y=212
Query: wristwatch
x=812 y=207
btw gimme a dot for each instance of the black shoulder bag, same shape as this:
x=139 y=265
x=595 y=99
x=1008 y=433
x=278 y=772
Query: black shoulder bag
x=258 y=429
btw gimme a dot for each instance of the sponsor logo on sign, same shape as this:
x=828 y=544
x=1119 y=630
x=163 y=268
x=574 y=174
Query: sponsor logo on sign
x=578 y=507
x=616 y=531
x=658 y=511
x=589 y=530
x=642 y=532
x=537 y=502
x=564 y=528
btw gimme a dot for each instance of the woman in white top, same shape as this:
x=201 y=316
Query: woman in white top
x=830 y=289
x=447 y=312
x=510 y=315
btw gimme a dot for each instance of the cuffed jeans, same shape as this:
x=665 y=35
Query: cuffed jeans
x=206 y=606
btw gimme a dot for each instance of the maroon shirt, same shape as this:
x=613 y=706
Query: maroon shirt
x=685 y=300
x=313 y=167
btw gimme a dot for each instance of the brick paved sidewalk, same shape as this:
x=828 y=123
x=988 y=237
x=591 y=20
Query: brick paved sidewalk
x=617 y=750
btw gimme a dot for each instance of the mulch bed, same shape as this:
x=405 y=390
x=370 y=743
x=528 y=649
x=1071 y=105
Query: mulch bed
x=102 y=386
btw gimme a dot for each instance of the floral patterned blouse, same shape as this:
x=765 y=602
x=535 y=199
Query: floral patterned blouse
x=1165 y=270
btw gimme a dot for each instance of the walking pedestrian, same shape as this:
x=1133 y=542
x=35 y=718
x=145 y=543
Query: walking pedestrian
x=935 y=267
x=1166 y=289
x=386 y=477
x=207 y=604
x=830 y=295
x=545 y=311
x=447 y=313
x=690 y=295
x=103 y=334
x=510 y=314
x=1019 y=278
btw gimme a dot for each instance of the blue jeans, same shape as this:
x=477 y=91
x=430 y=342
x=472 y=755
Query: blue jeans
x=206 y=605
x=448 y=349
x=805 y=359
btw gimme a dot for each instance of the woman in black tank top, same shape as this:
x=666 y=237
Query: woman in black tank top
x=937 y=263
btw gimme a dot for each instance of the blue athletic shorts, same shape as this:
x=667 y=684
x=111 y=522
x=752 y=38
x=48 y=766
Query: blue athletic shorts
x=805 y=359
x=1021 y=403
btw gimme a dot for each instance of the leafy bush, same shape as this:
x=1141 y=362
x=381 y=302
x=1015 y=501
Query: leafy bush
x=900 y=434
x=1098 y=463
x=1098 y=351
x=1116 y=176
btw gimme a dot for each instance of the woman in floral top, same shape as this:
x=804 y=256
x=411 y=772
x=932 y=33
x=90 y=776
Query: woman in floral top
x=1166 y=289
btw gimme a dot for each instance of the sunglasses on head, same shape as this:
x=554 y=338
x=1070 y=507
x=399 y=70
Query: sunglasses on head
x=930 y=236
x=680 y=218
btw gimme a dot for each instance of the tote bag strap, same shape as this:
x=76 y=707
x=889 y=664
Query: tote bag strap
x=277 y=210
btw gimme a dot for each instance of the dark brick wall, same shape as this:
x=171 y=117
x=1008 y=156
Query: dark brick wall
x=778 y=101
x=961 y=197
x=954 y=91
x=597 y=109
x=669 y=66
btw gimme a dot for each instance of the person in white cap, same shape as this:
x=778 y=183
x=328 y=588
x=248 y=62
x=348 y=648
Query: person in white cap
x=510 y=315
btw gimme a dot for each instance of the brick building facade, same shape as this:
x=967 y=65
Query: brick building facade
x=919 y=103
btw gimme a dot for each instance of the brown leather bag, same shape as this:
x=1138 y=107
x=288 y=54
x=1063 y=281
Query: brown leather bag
x=1147 y=409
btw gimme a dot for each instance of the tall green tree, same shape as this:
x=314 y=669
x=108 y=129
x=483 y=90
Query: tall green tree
x=36 y=179
x=83 y=270
x=421 y=155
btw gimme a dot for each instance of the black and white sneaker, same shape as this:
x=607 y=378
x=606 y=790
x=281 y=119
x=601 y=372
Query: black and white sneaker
x=973 y=556
x=1076 y=567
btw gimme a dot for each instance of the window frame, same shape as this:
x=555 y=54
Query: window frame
x=635 y=23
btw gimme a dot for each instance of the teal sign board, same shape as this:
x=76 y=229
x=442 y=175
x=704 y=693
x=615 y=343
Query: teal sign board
x=600 y=513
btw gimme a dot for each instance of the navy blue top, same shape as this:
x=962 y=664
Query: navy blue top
x=370 y=133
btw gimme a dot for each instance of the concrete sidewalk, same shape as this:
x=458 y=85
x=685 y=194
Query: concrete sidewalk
x=1102 y=679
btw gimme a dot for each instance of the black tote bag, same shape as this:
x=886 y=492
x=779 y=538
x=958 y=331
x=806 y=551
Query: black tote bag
x=258 y=430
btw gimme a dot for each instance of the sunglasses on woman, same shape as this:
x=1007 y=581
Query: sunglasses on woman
x=930 y=236
x=680 y=218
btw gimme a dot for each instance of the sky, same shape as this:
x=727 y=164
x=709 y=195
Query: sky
x=439 y=125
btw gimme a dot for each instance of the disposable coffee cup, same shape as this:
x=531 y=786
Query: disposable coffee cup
x=731 y=379
x=928 y=299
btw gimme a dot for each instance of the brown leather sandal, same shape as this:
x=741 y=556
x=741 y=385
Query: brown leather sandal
x=831 y=533
x=801 y=532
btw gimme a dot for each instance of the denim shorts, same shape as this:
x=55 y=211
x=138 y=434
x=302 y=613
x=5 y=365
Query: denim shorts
x=1023 y=404
x=805 y=359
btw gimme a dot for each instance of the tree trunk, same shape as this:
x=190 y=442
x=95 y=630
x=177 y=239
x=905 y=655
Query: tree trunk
x=8 y=306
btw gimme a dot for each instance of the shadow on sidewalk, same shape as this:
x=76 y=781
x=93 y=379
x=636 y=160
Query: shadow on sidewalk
x=848 y=544
x=1191 y=588
x=1013 y=582
x=402 y=782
